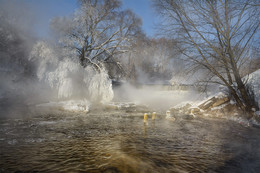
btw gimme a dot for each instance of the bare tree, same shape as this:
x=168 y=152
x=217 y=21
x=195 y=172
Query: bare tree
x=98 y=31
x=151 y=59
x=216 y=35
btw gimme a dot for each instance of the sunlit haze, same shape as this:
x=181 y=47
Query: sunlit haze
x=134 y=86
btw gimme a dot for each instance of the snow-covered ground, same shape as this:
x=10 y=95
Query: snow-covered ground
x=254 y=82
x=71 y=105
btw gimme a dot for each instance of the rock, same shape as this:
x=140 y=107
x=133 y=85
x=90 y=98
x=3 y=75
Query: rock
x=215 y=113
x=207 y=104
x=195 y=110
x=169 y=116
x=213 y=102
x=229 y=108
x=181 y=110
x=110 y=107
x=187 y=106
x=220 y=101
x=225 y=110
x=188 y=116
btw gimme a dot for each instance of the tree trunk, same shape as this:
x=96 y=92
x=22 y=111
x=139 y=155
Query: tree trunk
x=247 y=100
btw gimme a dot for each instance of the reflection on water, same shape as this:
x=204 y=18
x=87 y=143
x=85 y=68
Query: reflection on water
x=119 y=142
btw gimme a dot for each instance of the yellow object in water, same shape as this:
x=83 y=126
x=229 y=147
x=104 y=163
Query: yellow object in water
x=153 y=115
x=145 y=117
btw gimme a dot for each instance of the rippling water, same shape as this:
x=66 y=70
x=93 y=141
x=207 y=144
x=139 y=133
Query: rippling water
x=121 y=142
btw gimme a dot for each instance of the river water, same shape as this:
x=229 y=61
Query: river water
x=119 y=141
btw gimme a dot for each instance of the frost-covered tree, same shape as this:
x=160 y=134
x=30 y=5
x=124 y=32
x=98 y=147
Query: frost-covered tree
x=65 y=78
x=216 y=36
x=98 y=31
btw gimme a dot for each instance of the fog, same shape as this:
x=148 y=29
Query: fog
x=17 y=72
x=156 y=97
x=41 y=70
x=35 y=71
x=80 y=99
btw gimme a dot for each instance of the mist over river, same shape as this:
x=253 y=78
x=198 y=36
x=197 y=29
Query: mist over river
x=119 y=141
x=79 y=92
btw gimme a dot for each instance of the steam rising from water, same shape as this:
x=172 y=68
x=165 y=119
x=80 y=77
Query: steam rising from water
x=156 y=97
x=34 y=72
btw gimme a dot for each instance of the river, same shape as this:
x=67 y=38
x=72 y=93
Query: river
x=119 y=141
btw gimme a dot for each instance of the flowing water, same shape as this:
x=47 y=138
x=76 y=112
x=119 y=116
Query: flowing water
x=117 y=141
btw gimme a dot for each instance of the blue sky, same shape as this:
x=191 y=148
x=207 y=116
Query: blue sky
x=144 y=10
x=45 y=10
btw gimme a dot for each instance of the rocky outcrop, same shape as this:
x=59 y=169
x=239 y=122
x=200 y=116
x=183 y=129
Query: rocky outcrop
x=217 y=106
x=186 y=111
x=181 y=109
x=213 y=102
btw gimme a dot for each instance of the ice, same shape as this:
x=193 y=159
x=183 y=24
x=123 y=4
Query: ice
x=71 y=105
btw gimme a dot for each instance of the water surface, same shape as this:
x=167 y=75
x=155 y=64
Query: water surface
x=117 y=141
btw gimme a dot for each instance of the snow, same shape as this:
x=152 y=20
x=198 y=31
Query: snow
x=257 y=113
x=71 y=105
x=254 y=82
x=220 y=107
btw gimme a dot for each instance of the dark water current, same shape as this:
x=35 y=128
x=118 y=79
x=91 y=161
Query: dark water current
x=121 y=142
